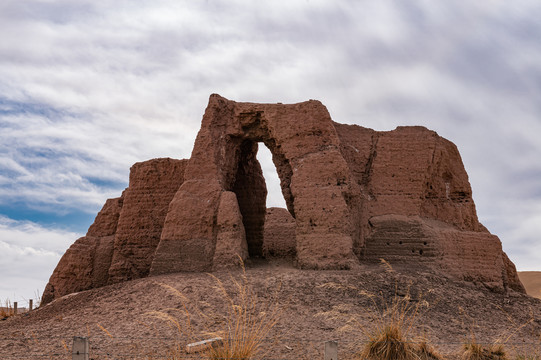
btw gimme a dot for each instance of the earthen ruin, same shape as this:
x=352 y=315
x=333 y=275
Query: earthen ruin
x=353 y=195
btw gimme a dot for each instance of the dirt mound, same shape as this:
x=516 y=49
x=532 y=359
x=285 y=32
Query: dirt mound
x=116 y=317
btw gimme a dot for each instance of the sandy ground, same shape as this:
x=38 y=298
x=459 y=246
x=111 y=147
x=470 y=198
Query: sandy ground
x=119 y=323
x=532 y=282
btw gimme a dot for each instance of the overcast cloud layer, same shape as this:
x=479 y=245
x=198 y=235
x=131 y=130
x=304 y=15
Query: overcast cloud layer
x=87 y=88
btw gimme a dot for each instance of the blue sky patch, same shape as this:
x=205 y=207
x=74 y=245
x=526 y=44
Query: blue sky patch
x=73 y=220
x=10 y=107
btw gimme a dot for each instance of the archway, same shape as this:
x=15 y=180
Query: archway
x=314 y=178
x=272 y=180
x=251 y=192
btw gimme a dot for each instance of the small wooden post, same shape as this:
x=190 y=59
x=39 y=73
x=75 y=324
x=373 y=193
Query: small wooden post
x=30 y=304
x=331 y=350
x=15 y=308
x=80 y=348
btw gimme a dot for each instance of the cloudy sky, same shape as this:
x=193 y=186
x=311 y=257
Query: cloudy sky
x=87 y=88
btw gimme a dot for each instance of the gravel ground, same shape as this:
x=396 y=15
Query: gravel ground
x=128 y=320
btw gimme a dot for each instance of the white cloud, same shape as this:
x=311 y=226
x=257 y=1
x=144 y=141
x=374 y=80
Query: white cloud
x=89 y=87
x=519 y=229
x=28 y=254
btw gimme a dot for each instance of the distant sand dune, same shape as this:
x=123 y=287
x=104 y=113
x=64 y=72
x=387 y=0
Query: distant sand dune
x=532 y=282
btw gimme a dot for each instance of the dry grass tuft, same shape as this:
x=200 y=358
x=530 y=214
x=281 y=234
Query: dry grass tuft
x=247 y=322
x=391 y=335
x=105 y=331
x=388 y=343
x=244 y=325
x=505 y=344
x=426 y=352
x=472 y=350
x=393 y=341
x=6 y=310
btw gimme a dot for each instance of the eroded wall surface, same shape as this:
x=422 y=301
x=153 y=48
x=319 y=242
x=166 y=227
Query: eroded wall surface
x=353 y=195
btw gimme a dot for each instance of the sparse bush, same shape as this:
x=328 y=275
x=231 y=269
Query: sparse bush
x=244 y=325
x=475 y=351
x=392 y=338
x=391 y=335
x=502 y=346
x=388 y=343
x=247 y=322
x=6 y=310
x=426 y=352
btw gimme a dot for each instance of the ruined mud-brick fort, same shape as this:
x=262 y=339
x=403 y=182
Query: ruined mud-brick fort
x=353 y=195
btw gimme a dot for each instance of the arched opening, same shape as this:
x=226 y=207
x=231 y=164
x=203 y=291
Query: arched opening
x=279 y=238
x=251 y=192
x=274 y=191
x=224 y=188
x=258 y=186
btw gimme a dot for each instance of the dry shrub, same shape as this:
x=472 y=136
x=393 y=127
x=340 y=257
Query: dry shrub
x=244 y=325
x=392 y=336
x=391 y=333
x=474 y=351
x=506 y=343
x=426 y=352
x=183 y=328
x=6 y=310
x=388 y=343
x=247 y=322
x=391 y=344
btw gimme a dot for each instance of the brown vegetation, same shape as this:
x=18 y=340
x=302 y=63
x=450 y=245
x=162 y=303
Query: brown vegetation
x=243 y=323
x=6 y=310
x=474 y=351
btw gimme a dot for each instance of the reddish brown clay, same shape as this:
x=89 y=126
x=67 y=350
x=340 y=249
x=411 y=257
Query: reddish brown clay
x=353 y=195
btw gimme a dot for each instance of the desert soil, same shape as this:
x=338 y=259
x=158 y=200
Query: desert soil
x=532 y=282
x=120 y=323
